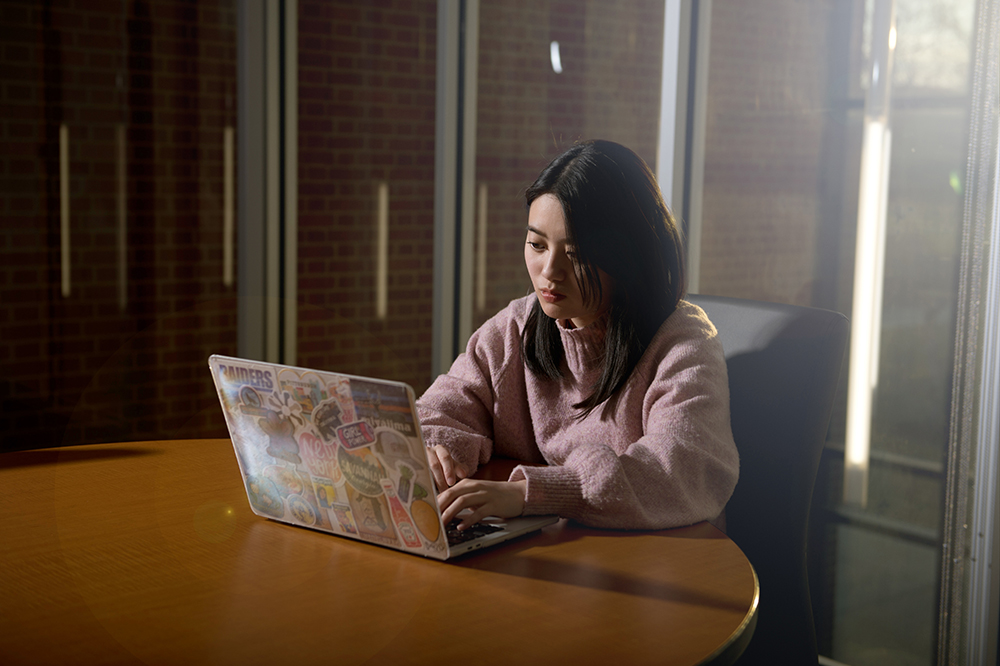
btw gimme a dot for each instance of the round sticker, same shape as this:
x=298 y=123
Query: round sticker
x=301 y=511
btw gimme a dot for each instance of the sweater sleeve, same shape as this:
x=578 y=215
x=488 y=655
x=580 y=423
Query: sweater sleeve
x=681 y=470
x=457 y=410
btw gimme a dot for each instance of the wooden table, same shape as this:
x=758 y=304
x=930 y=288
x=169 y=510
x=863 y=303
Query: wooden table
x=148 y=553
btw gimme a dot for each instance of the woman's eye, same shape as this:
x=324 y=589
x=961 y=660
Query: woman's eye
x=538 y=247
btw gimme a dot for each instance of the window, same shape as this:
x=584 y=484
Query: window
x=120 y=268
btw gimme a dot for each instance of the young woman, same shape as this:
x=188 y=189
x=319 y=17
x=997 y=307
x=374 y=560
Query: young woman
x=604 y=380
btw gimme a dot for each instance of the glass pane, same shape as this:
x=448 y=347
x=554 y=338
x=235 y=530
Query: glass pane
x=933 y=48
x=550 y=74
x=112 y=290
x=367 y=79
x=786 y=96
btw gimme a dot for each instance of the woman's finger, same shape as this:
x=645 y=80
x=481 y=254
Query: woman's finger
x=436 y=472
x=446 y=476
x=459 y=502
x=484 y=498
x=477 y=514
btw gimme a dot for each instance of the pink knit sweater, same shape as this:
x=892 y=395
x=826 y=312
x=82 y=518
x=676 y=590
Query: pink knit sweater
x=664 y=457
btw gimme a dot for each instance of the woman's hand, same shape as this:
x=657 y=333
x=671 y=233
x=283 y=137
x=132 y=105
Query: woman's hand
x=503 y=499
x=445 y=469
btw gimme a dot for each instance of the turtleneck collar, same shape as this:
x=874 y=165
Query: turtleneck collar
x=583 y=347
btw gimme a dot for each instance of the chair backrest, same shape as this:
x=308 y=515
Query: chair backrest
x=784 y=363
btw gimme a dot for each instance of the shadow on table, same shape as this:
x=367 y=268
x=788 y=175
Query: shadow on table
x=76 y=454
x=513 y=560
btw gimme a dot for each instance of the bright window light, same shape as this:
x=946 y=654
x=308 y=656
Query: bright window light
x=556 y=59
x=866 y=316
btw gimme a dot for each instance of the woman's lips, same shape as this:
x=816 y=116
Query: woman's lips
x=550 y=296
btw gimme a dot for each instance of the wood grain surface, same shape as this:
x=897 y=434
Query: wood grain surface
x=148 y=553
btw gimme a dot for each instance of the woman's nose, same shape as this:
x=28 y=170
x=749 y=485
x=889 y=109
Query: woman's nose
x=555 y=266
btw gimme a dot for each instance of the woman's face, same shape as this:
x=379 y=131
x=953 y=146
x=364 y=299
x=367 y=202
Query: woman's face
x=550 y=262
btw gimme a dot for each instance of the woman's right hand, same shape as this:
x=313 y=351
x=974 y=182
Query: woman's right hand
x=445 y=469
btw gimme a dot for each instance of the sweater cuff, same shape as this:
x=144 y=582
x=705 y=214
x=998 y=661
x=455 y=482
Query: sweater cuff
x=551 y=490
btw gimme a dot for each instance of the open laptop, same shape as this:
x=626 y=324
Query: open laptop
x=342 y=454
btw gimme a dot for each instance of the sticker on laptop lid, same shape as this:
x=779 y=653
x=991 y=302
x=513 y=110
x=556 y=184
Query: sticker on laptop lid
x=400 y=517
x=395 y=448
x=264 y=496
x=383 y=406
x=301 y=511
x=355 y=435
x=307 y=390
x=424 y=516
x=320 y=458
x=371 y=515
x=362 y=470
x=287 y=480
x=344 y=516
x=281 y=437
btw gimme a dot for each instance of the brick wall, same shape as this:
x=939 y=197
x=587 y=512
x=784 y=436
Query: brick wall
x=85 y=368
x=367 y=77
x=366 y=115
x=611 y=55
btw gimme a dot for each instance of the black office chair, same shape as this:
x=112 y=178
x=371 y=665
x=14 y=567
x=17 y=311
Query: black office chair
x=784 y=364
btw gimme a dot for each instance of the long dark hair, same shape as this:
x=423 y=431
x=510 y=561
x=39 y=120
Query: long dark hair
x=616 y=221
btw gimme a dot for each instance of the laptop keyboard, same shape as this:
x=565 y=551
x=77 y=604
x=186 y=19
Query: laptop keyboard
x=456 y=536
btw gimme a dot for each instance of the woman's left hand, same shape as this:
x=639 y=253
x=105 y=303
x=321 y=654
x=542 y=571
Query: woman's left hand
x=504 y=499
